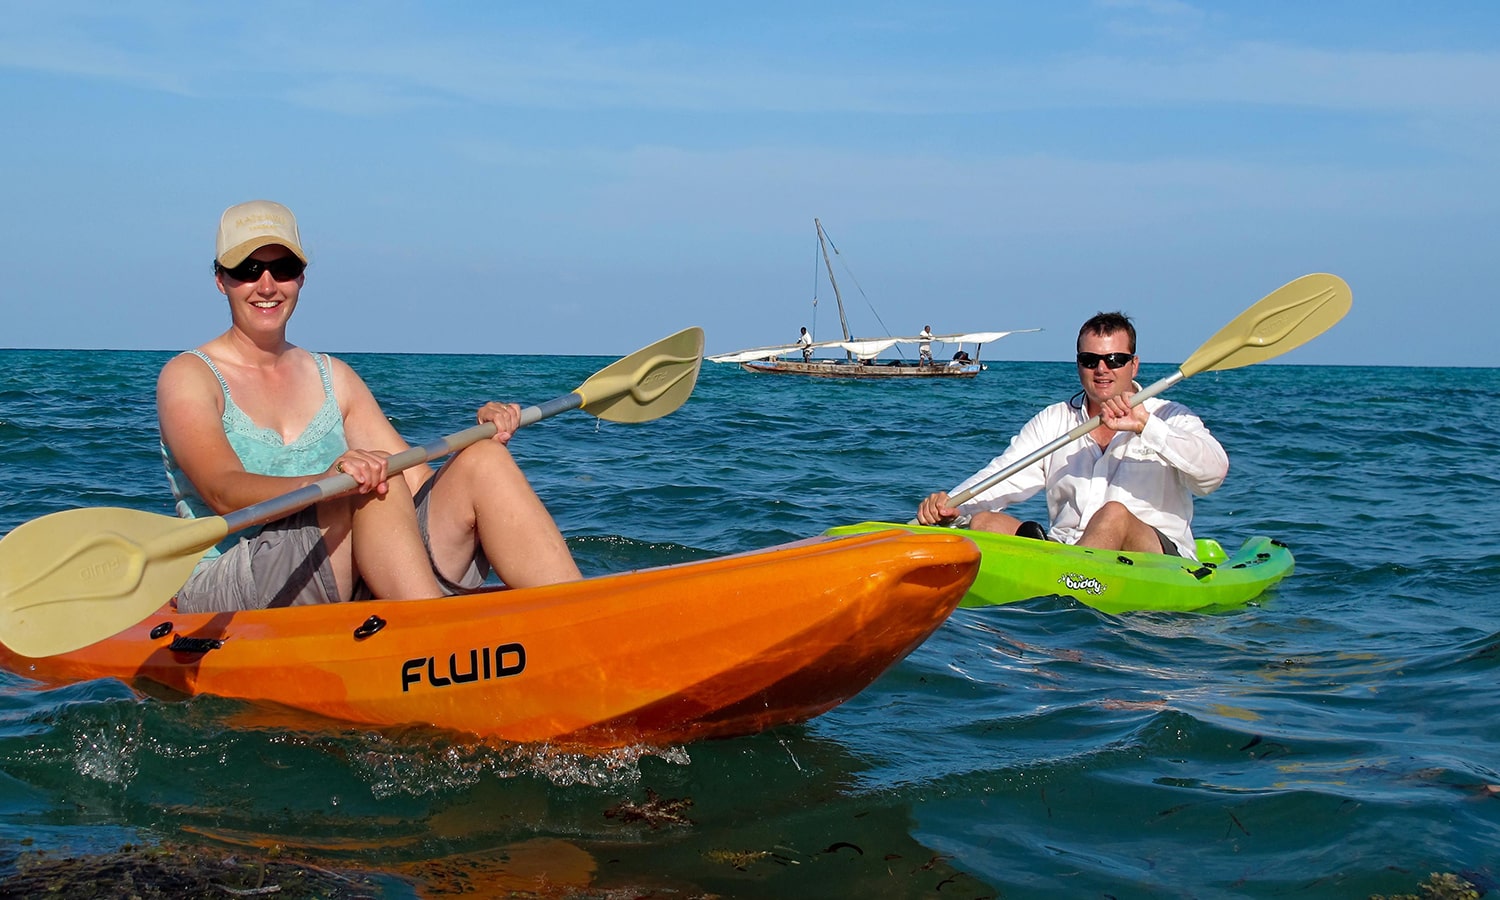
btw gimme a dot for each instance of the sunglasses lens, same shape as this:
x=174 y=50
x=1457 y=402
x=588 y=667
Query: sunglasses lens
x=284 y=269
x=1113 y=360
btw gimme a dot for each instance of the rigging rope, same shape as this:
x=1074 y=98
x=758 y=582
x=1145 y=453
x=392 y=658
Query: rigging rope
x=816 y=279
x=861 y=290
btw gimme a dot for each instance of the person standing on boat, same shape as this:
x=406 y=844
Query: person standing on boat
x=248 y=416
x=805 y=341
x=1128 y=485
x=924 y=349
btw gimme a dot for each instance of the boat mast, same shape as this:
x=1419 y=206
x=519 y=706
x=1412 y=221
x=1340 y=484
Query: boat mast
x=838 y=298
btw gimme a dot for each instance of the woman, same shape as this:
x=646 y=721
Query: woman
x=249 y=416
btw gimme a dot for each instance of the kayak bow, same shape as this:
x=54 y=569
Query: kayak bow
x=1112 y=581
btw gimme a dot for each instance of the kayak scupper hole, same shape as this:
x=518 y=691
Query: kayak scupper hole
x=1125 y=559
x=161 y=631
x=370 y=626
x=182 y=644
x=1262 y=556
x=1201 y=572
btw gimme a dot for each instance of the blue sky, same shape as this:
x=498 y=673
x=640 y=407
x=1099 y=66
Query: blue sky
x=571 y=177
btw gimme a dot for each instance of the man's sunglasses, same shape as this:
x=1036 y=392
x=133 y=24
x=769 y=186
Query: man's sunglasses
x=1113 y=360
x=287 y=268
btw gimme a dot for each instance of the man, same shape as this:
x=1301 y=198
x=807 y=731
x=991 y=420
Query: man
x=1127 y=485
x=924 y=349
x=805 y=341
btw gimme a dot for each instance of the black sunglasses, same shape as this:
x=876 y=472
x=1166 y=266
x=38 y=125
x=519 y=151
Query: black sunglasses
x=1113 y=360
x=286 y=268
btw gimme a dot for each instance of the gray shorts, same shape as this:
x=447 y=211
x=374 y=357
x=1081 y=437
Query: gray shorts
x=1167 y=547
x=287 y=564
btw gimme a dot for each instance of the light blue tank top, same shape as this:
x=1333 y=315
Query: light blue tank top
x=261 y=450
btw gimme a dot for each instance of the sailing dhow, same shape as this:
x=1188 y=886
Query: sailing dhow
x=861 y=356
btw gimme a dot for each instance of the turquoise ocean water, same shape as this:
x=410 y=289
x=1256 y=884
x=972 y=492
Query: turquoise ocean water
x=1339 y=738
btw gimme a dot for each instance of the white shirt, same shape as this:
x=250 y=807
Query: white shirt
x=1155 y=474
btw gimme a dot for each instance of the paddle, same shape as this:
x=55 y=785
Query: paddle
x=1283 y=320
x=75 y=577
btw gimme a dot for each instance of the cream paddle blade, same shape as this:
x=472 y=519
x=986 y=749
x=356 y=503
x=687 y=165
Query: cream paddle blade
x=1283 y=320
x=72 y=578
x=647 y=384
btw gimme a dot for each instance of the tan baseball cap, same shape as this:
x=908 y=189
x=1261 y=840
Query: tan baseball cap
x=247 y=227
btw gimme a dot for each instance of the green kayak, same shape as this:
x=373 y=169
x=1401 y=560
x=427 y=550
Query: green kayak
x=1112 y=581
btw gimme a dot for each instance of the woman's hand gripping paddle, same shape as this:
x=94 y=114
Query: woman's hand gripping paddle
x=1283 y=320
x=75 y=577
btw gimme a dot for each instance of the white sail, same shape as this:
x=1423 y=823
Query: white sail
x=867 y=349
x=740 y=356
x=979 y=337
x=755 y=353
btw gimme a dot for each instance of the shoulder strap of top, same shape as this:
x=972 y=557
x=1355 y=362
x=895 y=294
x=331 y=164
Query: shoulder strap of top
x=325 y=371
x=217 y=374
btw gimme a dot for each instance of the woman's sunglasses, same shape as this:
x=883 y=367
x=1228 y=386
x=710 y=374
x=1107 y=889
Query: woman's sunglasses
x=286 y=268
x=1113 y=360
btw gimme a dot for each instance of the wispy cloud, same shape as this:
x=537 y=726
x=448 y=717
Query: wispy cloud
x=1169 y=19
x=338 y=59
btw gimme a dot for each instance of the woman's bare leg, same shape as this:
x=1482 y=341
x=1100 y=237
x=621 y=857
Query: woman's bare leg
x=334 y=519
x=375 y=538
x=483 y=499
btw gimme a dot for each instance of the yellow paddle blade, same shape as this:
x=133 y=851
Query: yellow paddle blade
x=648 y=383
x=72 y=578
x=1283 y=320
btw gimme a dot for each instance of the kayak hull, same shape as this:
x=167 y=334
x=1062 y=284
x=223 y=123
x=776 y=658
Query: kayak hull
x=1111 y=581
x=719 y=648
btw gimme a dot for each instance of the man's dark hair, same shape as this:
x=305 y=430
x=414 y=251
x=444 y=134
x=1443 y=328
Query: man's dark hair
x=1107 y=323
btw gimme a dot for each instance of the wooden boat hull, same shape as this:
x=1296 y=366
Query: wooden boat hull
x=831 y=368
x=719 y=648
x=1017 y=569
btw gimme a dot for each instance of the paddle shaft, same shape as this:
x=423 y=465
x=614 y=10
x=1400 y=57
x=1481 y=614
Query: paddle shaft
x=1051 y=447
x=336 y=485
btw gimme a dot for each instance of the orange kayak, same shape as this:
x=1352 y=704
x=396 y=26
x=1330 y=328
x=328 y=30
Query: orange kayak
x=724 y=647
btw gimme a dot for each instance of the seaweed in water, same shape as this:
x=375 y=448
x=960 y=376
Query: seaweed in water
x=159 y=873
x=1445 y=886
x=655 y=812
